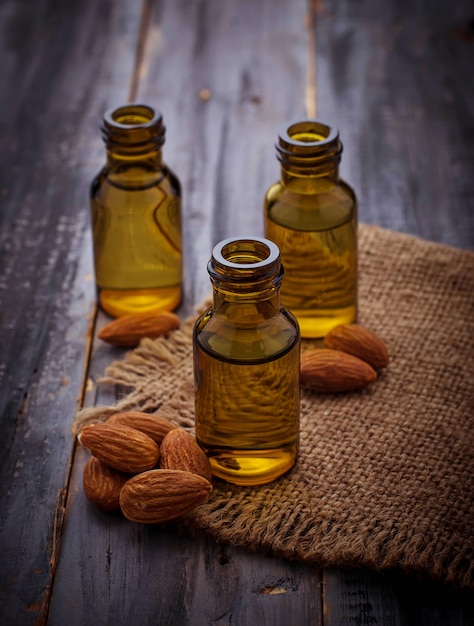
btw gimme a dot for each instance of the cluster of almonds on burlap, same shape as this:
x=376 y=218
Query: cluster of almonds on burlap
x=350 y=360
x=145 y=466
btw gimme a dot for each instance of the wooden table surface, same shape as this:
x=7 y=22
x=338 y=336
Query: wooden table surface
x=395 y=77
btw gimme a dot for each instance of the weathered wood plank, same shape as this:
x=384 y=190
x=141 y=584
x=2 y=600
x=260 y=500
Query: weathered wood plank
x=392 y=599
x=251 y=58
x=59 y=69
x=246 y=55
x=396 y=79
x=393 y=78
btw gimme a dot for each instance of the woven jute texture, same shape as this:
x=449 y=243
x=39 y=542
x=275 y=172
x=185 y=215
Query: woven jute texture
x=384 y=476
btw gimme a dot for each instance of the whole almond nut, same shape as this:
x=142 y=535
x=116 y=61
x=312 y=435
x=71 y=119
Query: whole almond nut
x=127 y=331
x=360 y=342
x=161 y=495
x=102 y=484
x=121 y=447
x=179 y=450
x=154 y=426
x=332 y=371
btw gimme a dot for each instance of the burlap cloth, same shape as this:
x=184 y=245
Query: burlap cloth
x=384 y=476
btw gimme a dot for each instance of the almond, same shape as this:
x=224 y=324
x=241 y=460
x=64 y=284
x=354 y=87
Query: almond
x=179 y=450
x=121 y=447
x=102 y=484
x=358 y=341
x=127 y=331
x=333 y=371
x=154 y=426
x=161 y=495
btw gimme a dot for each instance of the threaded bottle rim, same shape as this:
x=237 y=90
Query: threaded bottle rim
x=133 y=126
x=309 y=144
x=246 y=262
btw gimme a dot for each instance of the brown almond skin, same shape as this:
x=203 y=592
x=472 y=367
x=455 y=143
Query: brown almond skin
x=332 y=371
x=360 y=342
x=102 y=484
x=121 y=447
x=154 y=426
x=127 y=331
x=161 y=495
x=179 y=450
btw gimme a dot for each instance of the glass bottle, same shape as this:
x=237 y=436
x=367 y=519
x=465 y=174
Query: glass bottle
x=136 y=216
x=311 y=214
x=246 y=366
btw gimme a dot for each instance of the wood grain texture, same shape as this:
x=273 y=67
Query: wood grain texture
x=222 y=150
x=251 y=58
x=397 y=80
x=392 y=599
x=392 y=77
x=59 y=68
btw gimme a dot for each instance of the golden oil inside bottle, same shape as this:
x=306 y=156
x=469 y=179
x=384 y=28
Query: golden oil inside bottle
x=251 y=413
x=136 y=233
x=246 y=365
x=320 y=285
x=136 y=217
x=312 y=216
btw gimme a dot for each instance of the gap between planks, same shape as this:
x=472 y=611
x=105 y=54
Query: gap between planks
x=311 y=96
x=140 y=49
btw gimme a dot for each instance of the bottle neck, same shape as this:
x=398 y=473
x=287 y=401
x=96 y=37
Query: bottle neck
x=136 y=172
x=244 y=311
x=246 y=275
x=308 y=184
x=309 y=153
x=150 y=157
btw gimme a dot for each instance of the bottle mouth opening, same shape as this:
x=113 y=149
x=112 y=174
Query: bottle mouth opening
x=253 y=252
x=133 y=115
x=245 y=259
x=309 y=132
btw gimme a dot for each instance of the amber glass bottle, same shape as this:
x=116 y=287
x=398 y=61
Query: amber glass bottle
x=246 y=366
x=311 y=214
x=136 y=216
